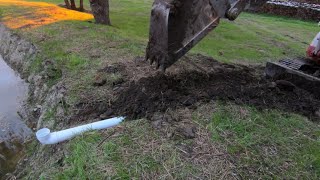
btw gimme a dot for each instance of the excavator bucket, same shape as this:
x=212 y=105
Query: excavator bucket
x=178 y=25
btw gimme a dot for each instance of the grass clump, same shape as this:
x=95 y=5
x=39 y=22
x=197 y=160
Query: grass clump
x=82 y=161
x=50 y=114
x=268 y=144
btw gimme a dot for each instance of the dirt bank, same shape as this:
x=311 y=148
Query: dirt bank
x=16 y=51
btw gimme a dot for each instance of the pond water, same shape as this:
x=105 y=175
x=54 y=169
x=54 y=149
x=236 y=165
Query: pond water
x=13 y=132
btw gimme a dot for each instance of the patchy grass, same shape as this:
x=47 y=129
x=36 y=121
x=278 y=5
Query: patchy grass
x=268 y=144
x=81 y=163
x=50 y=114
x=132 y=151
x=260 y=144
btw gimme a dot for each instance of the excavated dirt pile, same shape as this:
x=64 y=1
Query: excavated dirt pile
x=143 y=92
x=211 y=80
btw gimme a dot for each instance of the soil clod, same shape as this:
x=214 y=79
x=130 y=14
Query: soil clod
x=188 y=132
x=99 y=81
x=285 y=85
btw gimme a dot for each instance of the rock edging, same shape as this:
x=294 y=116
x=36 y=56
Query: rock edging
x=294 y=9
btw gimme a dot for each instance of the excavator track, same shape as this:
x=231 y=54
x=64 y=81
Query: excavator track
x=303 y=73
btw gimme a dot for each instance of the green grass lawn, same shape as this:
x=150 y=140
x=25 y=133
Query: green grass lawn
x=251 y=38
x=268 y=144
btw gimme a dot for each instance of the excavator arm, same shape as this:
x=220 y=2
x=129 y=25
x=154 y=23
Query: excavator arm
x=178 y=25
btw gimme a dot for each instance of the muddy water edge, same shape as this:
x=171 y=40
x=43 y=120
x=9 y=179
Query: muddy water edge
x=13 y=132
x=20 y=54
x=16 y=56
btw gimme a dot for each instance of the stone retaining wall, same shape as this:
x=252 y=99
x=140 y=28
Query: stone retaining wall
x=294 y=9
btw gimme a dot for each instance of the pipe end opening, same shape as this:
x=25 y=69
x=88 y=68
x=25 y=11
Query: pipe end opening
x=42 y=133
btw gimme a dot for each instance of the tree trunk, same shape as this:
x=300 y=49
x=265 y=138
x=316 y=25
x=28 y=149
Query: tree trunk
x=100 y=11
x=67 y=4
x=73 y=5
x=81 y=5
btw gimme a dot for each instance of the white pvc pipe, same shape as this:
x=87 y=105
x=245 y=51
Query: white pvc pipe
x=45 y=137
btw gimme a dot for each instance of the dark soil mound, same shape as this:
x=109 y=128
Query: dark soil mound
x=145 y=92
x=236 y=83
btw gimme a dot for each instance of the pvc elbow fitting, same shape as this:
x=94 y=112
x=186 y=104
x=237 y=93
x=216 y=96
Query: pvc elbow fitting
x=44 y=135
